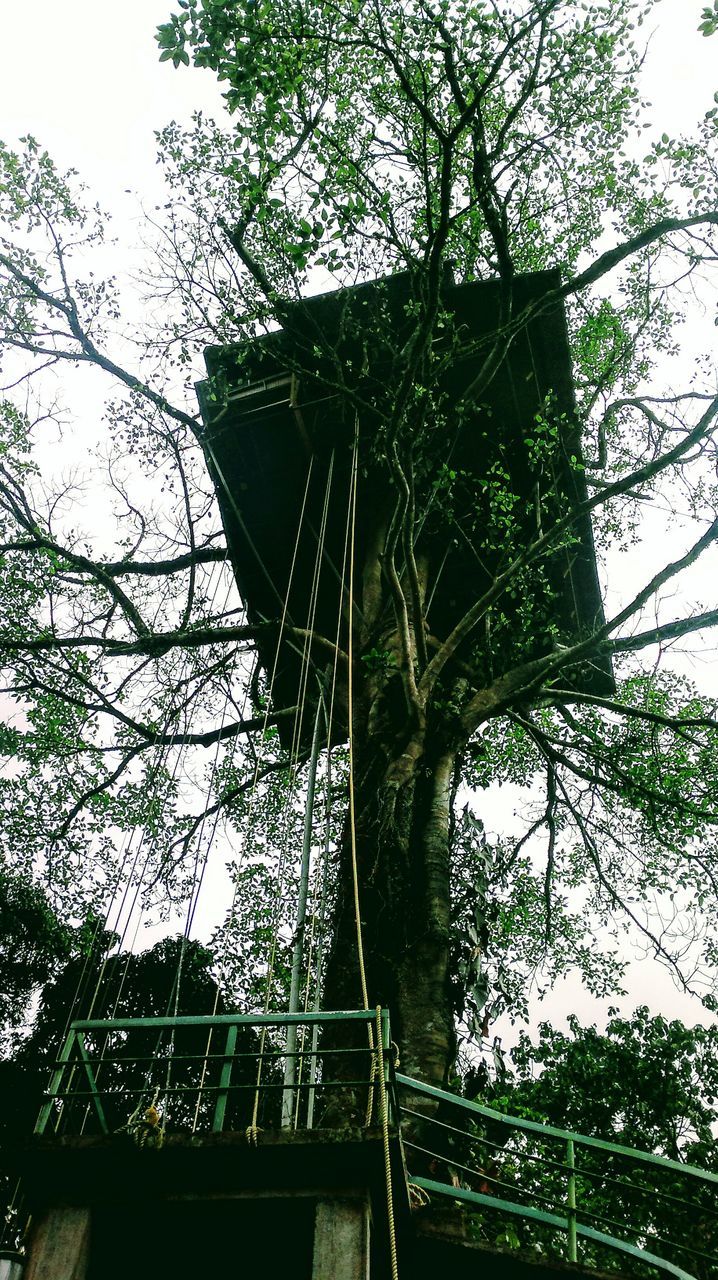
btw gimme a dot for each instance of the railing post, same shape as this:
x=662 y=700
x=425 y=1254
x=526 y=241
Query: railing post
x=224 y=1079
x=571 y=1200
x=92 y=1081
x=55 y=1082
x=386 y=1046
x=311 y=1092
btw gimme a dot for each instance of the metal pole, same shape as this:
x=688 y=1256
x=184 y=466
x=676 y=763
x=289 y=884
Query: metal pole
x=571 y=1190
x=388 y=1069
x=56 y=1082
x=220 y=1105
x=320 y=944
x=300 y=927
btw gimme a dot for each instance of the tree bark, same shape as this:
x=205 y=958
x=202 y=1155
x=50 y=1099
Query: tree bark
x=402 y=791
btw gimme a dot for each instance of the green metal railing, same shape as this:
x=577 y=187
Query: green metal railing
x=620 y=1203
x=567 y=1194
x=206 y=1074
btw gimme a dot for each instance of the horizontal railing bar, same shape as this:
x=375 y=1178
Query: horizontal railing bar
x=322 y=1084
x=546 y=1161
x=491 y=1202
x=479 y=1174
x=532 y=1126
x=655 y=1237
x=207 y=1088
x=654 y=1192
x=644 y=1255
x=228 y=1020
x=596 y=1175
x=552 y=1220
x=122 y=1060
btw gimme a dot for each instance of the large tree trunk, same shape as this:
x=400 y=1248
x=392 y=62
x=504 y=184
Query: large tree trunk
x=402 y=790
x=404 y=753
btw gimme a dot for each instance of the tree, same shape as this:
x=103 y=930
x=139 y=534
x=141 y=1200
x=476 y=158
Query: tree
x=645 y=1082
x=709 y=24
x=367 y=139
x=577 y=1080
x=33 y=943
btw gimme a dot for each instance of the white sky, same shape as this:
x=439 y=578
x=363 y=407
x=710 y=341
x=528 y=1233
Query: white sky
x=83 y=76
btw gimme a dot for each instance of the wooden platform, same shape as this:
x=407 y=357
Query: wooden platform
x=275 y=424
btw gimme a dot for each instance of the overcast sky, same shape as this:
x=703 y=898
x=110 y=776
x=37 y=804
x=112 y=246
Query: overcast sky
x=83 y=76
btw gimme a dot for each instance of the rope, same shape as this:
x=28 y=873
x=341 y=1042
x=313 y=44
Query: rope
x=315 y=946
x=384 y=1116
x=84 y=979
x=99 y=996
x=195 y=890
x=215 y=1004
x=312 y=610
x=193 y=893
x=270 y=691
x=200 y=863
x=197 y=880
x=162 y=757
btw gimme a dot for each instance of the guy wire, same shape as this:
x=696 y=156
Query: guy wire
x=258 y=755
x=327 y=819
x=350 y=720
x=296 y=739
x=84 y=977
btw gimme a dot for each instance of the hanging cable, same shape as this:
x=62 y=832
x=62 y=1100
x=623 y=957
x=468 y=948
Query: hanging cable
x=257 y=761
x=352 y=803
x=208 y=1047
x=327 y=823
x=158 y=764
x=319 y=956
x=298 y=948
x=296 y=739
x=350 y=719
x=139 y=882
x=197 y=881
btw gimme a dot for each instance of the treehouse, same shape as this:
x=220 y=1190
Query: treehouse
x=493 y=473
x=286 y=1143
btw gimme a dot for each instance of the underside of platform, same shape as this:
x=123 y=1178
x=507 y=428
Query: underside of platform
x=278 y=442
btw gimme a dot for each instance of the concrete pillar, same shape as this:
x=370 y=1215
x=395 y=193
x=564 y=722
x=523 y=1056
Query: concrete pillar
x=59 y=1246
x=341 y=1239
x=10 y=1268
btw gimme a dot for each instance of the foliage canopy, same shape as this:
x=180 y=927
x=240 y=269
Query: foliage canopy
x=364 y=139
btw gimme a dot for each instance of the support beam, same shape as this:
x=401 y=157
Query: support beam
x=341 y=1239
x=60 y=1245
